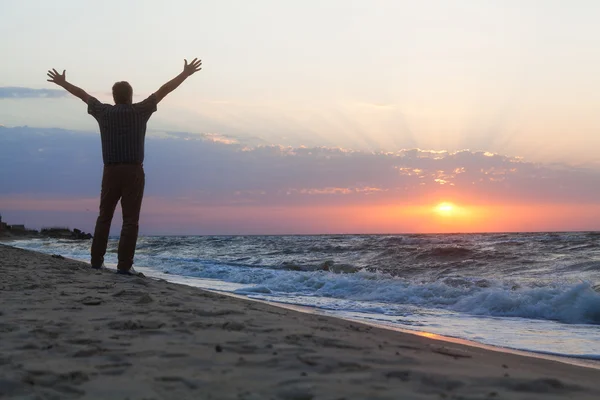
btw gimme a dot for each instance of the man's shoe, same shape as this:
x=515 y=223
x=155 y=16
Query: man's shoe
x=130 y=271
x=97 y=265
x=126 y=271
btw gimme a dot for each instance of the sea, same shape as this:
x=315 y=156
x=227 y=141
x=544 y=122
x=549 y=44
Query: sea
x=537 y=292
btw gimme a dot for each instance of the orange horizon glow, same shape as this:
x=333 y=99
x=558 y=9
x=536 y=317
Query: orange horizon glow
x=162 y=216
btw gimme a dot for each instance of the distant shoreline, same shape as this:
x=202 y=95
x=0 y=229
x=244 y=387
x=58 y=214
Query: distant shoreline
x=45 y=233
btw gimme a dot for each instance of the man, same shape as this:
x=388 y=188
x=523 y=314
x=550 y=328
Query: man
x=122 y=130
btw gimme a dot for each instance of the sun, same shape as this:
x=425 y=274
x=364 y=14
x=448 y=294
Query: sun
x=445 y=209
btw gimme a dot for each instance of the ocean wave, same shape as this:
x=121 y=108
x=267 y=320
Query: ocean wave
x=446 y=252
x=575 y=304
x=328 y=265
x=467 y=278
x=579 y=304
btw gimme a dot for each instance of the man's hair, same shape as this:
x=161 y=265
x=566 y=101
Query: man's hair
x=122 y=92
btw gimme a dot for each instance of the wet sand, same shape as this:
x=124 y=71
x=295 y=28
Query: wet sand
x=67 y=331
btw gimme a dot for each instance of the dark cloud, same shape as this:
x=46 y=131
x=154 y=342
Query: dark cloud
x=10 y=92
x=214 y=170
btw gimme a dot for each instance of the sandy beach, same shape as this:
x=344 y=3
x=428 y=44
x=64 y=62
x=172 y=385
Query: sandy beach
x=68 y=331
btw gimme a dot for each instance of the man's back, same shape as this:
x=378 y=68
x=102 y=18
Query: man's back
x=122 y=129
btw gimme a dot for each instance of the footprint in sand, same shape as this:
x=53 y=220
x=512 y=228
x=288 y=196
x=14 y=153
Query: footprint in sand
x=130 y=325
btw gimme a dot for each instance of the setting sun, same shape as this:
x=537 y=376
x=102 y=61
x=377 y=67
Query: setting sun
x=445 y=209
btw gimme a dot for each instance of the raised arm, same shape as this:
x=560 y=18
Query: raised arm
x=188 y=70
x=61 y=80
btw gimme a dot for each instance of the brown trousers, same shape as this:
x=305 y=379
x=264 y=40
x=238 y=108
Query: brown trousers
x=123 y=182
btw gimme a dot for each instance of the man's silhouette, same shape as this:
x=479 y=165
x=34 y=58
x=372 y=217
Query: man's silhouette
x=122 y=130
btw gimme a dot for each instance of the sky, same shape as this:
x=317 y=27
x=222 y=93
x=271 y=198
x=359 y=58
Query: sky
x=330 y=116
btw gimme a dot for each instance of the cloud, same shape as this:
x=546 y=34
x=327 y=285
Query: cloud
x=13 y=92
x=210 y=170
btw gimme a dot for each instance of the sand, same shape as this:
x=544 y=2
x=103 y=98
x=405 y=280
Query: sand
x=67 y=331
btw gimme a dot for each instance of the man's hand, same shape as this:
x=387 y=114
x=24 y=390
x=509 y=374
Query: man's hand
x=61 y=80
x=57 y=78
x=188 y=70
x=192 y=67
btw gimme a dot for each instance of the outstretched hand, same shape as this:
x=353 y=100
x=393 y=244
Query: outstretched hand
x=57 y=78
x=188 y=70
x=192 y=67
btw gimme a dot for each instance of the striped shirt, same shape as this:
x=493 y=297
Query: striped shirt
x=122 y=129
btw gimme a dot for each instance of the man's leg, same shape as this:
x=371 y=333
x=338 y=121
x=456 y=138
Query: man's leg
x=109 y=197
x=131 y=203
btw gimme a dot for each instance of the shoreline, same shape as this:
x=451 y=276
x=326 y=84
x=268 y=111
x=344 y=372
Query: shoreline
x=580 y=361
x=70 y=332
